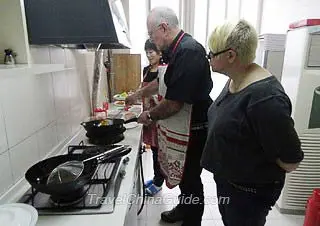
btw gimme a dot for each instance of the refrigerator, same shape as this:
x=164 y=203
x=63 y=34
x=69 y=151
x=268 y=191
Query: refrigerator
x=301 y=81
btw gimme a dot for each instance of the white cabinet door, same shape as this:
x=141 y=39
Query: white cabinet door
x=135 y=199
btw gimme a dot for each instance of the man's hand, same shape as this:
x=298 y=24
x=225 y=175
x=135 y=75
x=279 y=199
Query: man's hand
x=144 y=119
x=132 y=99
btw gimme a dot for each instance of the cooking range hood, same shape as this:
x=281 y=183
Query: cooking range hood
x=77 y=23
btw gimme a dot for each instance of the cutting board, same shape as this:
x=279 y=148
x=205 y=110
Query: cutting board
x=126 y=72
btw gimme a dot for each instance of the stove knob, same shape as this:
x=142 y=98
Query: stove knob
x=126 y=160
x=122 y=173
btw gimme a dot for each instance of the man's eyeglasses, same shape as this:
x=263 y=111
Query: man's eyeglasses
x=150 y=33
x=212 y=55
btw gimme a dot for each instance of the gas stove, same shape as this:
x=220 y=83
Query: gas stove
x=97 y=197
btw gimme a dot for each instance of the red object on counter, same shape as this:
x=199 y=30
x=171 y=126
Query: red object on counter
x=126 y=108
x=305 y=23
x=99 y=110
x=105 y=106
x=312 y=217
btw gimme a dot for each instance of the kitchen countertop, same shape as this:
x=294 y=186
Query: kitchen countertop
x=117 y=218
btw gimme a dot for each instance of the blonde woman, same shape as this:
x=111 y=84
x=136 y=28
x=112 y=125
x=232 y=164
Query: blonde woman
x=251 y=142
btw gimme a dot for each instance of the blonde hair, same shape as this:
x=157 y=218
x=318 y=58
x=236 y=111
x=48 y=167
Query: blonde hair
x=240 y=36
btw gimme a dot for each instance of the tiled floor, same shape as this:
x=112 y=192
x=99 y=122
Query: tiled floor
x=167 y=198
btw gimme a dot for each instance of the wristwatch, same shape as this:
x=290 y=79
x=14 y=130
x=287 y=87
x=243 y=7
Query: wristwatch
x=149 y=116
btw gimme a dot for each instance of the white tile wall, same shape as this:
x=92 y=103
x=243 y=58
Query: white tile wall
x=44 y=97
x=57 y=55
x=37 y=112
x=74 y=90
x=3 y=135
x=24 y=155
x=6 y=179
x=40 y=55
x=70 y=58
x=17 y=96
x=63 y=127
x=47 y=139
x=75 y=118
x=61 y=92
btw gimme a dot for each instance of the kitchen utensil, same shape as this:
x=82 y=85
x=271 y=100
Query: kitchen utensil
x=37 y=175
x=113 y=126
x=9 y=57
x=71 y=170
x=15 y=214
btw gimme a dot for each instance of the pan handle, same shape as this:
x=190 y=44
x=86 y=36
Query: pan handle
x=113 y=150
x=117 y=155
x=134 y=119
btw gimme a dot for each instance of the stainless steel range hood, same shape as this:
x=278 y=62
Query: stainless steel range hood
x=77 y=23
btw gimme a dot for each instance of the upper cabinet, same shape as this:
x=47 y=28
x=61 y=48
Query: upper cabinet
x=14 y=30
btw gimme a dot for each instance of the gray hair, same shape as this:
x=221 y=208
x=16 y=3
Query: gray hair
x=164 y=15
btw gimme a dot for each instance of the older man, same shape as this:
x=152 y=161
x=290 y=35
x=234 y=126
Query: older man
x=181 y=116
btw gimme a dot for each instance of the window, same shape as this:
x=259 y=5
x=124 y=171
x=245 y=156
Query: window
x=249 y=11
x=200 y=21
x=233 y=9
x=216 y=14
x=138 y=28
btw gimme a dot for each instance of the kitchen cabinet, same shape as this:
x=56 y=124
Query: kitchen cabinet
x=135 y=198
x=14 y=33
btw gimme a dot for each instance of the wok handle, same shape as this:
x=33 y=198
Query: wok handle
x=134 y=119
x=105 y=153
x=117 y=155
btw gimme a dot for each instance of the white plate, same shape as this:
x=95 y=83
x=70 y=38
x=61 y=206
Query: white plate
x=18 y=214
x=131 y=125
x=118 y=104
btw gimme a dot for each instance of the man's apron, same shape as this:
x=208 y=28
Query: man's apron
x=173 y=136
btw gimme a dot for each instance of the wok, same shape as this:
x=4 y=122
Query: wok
x=37 y=174
x=110 y=134
x=113 y=126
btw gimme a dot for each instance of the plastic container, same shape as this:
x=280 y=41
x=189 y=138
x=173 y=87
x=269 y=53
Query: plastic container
x=100 y=113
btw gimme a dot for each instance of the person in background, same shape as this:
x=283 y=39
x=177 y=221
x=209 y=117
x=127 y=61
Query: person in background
x=184 y=85
x=251 y=142
x=150 y=74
